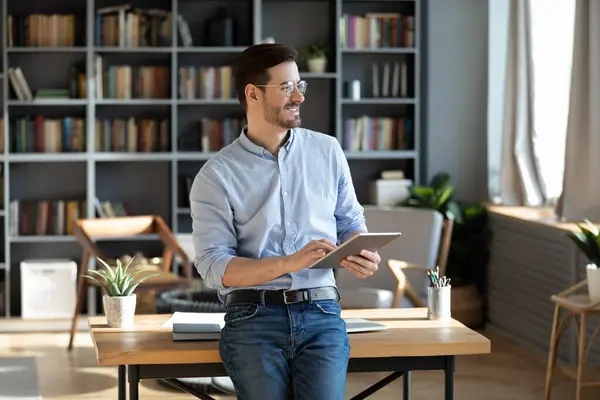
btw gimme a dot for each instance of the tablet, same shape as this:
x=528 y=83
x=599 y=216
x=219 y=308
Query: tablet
x=363 y=241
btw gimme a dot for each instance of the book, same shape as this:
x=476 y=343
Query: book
x=195 y=326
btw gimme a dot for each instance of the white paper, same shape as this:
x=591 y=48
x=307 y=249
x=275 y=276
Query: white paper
x=195 y=318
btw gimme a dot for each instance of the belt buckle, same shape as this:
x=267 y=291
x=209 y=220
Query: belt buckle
x=285 y=297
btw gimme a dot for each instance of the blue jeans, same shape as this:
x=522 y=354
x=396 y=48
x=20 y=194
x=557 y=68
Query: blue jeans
x=279 y=352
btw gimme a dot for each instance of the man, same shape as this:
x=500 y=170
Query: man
x=264 y=209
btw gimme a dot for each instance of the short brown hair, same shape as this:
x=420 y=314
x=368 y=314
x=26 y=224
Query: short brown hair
x=251 y=65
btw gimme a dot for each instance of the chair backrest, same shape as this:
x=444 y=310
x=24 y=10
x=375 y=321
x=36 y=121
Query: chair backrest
x=86 y=232
x=446 y=239
x=419 y=243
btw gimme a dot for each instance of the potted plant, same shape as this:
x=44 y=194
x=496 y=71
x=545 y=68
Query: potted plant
x=119 y=301
x=587 y=239
x=317 y=57
x=469 y=245
x=438 y=195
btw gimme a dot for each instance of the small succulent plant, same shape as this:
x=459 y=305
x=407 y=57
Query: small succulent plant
x=116 y=280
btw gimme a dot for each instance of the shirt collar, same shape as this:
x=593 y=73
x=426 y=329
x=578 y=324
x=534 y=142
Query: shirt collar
x=260 y=151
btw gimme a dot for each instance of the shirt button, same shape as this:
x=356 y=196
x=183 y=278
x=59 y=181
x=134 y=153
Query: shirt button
x=287 y=224
x=285 y=193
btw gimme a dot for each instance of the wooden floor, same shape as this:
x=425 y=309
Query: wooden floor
x=509 y=373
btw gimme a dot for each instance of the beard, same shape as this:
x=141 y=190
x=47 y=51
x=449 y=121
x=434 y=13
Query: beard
x=282 y=117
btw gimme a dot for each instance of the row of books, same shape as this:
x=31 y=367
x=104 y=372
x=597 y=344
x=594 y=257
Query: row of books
x=22 y=91
x=390 y=79
x=110 y=209
x=40 y=134
x=132 y=134
x=45 y=30
x=377 y=30
x=131 y=82
x=44 y=217
x=211 y=135
x=206 y=83
x=124 y=26
x=369 y=133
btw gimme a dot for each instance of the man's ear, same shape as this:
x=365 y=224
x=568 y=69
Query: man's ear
x=251 y=93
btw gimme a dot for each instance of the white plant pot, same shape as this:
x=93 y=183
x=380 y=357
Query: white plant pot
x=593 y=279
x=317 y=65
x=119 y=310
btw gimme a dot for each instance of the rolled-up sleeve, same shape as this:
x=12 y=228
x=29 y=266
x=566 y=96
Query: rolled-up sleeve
x=213 y=233
x=349 y=214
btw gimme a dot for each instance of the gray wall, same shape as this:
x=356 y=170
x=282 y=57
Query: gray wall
x=456 y=115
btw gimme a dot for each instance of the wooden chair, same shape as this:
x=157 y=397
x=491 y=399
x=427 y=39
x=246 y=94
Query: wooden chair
x=576 y=305
x=86 y=231
x=398 y=267
x=419 y=244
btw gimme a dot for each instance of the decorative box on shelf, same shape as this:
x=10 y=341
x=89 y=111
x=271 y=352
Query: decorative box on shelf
x=48 y=288
x=390 y=192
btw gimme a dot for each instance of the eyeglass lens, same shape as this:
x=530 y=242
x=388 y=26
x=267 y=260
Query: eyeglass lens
x=289 y=88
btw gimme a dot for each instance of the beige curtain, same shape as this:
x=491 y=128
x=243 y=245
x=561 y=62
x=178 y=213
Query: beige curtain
x=515 y=179
x=581 y=181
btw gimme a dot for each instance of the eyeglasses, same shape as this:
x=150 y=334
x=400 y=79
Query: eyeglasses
x=288 y=87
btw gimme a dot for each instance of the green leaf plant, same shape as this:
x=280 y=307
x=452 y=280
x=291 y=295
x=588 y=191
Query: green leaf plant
x=587 y=239
x=469 y=246
x=438 y=195
x=116 y=280
x=317 y=49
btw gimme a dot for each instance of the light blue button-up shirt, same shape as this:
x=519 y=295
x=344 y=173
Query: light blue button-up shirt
x=246 y=202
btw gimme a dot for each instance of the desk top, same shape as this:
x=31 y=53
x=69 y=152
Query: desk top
x=409 y=333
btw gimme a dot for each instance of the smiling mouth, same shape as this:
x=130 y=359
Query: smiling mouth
x=293 y=109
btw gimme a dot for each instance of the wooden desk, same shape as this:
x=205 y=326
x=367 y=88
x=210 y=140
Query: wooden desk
x=410 y=343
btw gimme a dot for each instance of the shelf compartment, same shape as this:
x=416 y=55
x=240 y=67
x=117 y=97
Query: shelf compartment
x=142 y=187
x=316 y=21
x=64 y=86
x=368 y=170
x=196 y=14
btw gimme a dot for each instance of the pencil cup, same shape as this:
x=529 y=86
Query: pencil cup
x=438 y=302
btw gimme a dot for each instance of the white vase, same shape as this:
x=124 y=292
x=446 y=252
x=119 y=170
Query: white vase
x=119 y=310
x=317 y=65
x=593 y=280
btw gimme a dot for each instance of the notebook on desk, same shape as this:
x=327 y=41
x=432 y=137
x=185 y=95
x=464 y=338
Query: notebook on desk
x=356 y=325
x=195 y=326
x=207 y=326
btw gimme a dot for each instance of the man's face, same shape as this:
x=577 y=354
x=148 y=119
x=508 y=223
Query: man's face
x=282 y=97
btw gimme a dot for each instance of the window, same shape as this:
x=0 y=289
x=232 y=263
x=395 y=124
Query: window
x=552 y=25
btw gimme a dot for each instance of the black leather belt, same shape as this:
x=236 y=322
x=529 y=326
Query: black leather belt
x=281 y=297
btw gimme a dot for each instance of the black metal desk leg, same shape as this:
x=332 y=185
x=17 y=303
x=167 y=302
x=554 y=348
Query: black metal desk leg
x=134 y=380
x=122 y=388
x=406 y=385
x=449 y=373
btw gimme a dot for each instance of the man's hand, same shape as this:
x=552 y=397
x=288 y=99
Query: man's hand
x=363 y=265
x=307 y=255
